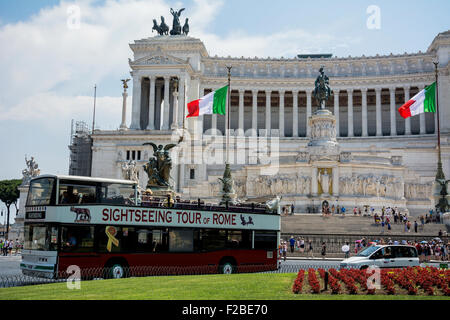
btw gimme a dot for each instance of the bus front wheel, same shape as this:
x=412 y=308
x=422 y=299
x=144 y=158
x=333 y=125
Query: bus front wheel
x=116 y=270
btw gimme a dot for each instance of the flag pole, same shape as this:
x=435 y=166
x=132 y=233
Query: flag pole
x=228 y=115
x=440 y=173
x=228 y=194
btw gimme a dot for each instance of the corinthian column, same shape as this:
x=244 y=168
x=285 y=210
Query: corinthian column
x=365 y=131
x=182 y=101
x=136 y=111
x=281 y=119
x=308 y=112
x=123 y=125
x=268 y=113
x=423 y=129
x=378 y=112
x=175 y=107
x=350 y=112
x=151 y=104
x=255 y=113
x=166 y=103
x=408 y=120
x=241 y=112
x=295 y=114
x=393 y=112
x=336 y=111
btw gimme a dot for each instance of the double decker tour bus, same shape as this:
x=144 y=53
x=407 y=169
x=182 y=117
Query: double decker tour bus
x=104 y=224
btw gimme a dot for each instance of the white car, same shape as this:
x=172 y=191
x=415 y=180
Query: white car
x=384 y=256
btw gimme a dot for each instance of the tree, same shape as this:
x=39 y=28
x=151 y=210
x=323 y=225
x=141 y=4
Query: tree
x=9 y=194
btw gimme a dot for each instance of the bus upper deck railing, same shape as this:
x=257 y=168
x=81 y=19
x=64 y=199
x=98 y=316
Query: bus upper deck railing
x=252 y=208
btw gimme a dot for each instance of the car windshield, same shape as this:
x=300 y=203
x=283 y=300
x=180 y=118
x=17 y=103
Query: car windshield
x=368 y=251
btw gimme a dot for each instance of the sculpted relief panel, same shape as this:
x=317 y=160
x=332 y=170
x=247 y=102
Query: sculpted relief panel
x=323 y=129
x=418 y=191
x=372 y=186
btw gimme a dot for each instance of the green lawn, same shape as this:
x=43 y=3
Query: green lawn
x=211 y=287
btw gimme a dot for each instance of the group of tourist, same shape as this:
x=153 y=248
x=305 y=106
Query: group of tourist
x=300 y=245
x=7 y=246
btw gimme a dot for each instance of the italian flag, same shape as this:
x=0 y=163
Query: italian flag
x=424 y=101
x=213 y=103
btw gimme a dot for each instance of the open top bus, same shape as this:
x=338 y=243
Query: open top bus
x=103 y=224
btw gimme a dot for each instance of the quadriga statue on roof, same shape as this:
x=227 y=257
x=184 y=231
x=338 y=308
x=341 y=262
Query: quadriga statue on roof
x=176 y=27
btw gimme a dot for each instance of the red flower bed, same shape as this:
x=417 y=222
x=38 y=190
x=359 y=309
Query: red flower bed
x=387 y=282
x=313 y=282
x=345 y=276
x=430 y=281
x=298 y=283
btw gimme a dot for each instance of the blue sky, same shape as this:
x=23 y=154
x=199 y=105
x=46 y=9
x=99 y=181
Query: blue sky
x=48 y=71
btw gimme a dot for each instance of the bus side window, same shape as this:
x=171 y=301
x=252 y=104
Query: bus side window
x=77 y=239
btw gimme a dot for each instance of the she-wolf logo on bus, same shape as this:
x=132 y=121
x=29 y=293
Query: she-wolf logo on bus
x=83 y=215
x=244 y=223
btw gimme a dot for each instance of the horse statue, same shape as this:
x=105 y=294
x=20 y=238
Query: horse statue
x=186 y=27
x=156 y=27
x=322 y=91
x=164 y=27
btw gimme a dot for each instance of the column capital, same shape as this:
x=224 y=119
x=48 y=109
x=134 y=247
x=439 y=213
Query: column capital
x=392 y=88
x=295 y=91
x=337 y=90
x=364 y=90
x=378 y=90
x=406 y=87
x=281 y=91
x=167 y=78
x=241 y=91
x=255 y=92
x=268 y=91
x=350 y=90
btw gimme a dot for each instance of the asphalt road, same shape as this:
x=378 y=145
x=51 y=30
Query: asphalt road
x=10 y=265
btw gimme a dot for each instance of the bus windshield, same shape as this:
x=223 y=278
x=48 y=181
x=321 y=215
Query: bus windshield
x=41 y=191
x=40 y=237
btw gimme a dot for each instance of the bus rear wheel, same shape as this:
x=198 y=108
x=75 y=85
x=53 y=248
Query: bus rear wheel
x=227 y=267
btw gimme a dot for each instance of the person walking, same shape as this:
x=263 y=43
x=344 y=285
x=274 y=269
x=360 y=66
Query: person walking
x=310 y=248
x=346 y=250
x=324 y=250
x=10 y=247
x=302 y=245
x=284 y=250
x=415 y=226
x=292 y=244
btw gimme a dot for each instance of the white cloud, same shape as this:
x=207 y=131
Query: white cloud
x=44 y=63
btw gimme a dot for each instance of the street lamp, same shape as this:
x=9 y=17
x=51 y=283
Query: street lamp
x=440 y=185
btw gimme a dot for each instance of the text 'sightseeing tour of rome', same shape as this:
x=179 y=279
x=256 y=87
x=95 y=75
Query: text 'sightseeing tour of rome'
x=243 y=152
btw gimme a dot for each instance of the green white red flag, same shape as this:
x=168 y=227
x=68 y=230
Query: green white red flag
x=424 y=101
